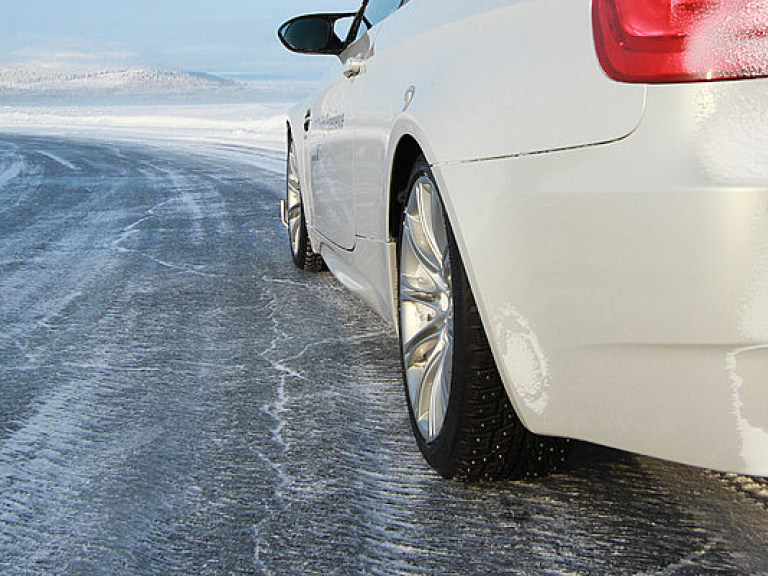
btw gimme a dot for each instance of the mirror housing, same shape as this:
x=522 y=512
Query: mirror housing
x=313 y=34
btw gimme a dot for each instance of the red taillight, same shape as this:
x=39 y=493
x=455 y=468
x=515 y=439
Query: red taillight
x=653 y=41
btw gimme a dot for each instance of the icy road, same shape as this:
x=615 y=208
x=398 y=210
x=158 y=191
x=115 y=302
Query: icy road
x=176 y=398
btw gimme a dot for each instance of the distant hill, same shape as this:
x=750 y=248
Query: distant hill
x=30 y=86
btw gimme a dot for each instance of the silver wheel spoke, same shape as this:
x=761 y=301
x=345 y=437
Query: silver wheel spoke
x=425 y=295
x=294 y=230
x=434 y=393
x=419 y=347
x=431 y=221
x=425 y=413
x=420 y=245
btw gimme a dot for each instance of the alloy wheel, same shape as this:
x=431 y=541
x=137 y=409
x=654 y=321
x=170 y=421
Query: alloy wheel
x=426 y=307
x=294 y=213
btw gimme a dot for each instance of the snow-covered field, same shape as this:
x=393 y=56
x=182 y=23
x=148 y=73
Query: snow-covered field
x=173 y=109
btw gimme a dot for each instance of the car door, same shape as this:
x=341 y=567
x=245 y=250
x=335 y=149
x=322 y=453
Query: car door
x=331 y=155
x=338 y=114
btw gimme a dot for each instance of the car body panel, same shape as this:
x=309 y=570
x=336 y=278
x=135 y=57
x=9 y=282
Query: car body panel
x=573 y=103
x=331 y=154
x=638 y=318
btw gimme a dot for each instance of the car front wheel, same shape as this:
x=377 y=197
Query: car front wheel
x=301 y=249
x=462 y=418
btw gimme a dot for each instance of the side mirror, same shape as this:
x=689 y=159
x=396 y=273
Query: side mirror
x=313 y=34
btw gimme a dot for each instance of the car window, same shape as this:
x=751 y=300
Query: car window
x=377 y=10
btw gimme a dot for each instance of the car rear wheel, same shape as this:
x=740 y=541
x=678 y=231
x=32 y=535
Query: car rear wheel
x=301 y=249
x=462 y=418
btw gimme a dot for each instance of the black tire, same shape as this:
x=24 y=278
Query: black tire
x=481 y=437
x=298 y=238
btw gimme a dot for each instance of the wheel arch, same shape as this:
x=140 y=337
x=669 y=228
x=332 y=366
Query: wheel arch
x=406 y=152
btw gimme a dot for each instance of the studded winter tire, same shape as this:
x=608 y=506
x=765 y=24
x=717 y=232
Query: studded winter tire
x=462 y=419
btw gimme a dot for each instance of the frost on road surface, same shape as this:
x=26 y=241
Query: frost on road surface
x=176 y=398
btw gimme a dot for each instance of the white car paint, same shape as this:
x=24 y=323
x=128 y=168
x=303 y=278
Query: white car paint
x=643 y=282
x=614 y=234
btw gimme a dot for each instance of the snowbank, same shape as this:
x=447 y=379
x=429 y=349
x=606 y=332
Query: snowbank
x=210 y=127
x=172 y=109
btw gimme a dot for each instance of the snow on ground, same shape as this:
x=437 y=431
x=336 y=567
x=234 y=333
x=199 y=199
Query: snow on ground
x=194 y=112
x=10 y=167
x=236 y=128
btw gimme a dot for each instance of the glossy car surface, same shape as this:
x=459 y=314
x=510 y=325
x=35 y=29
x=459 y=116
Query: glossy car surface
x=530 y=178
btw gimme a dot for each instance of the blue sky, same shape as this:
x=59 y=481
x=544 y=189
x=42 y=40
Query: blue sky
x=216 y=36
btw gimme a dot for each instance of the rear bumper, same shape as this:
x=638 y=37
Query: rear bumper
x=624 y=287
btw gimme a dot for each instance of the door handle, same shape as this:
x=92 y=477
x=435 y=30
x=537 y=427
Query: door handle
x=354 y=67
x=307 y=120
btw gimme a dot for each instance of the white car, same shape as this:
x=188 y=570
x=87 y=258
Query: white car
x=562 y=207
